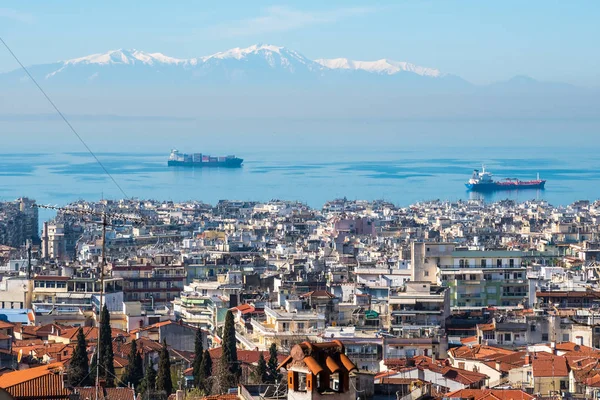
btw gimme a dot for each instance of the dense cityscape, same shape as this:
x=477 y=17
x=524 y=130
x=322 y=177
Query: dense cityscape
x=354 y=300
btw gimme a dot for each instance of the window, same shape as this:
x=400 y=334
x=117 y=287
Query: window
x=498 y=262
x=461 y=365
x=428 y=249
x=461 y=263
x=50 y=284
x=472 y=277
x=483 y=263
x=426 y=273
x=566 y=337
x=511 y=262
x=563 y=385
x=544 y=337
x=532 y=327
x=487 y=277
x=61 y=285
x=507 y=337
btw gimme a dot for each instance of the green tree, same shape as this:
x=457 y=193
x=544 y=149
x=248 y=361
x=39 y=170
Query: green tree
x=163 y=379
x=260 y=373
x=198 y=355
x=274 y=376
x=149 y=382
x=134 y=372
x=106 y=357
x=228 y=372
x=204 y=381
x=78 y=371
x=229 y=345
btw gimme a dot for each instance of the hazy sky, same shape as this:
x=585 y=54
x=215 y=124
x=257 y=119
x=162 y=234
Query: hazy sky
x=481 y=41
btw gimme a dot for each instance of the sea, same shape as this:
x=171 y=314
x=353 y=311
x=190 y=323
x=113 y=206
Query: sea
x=402 y=161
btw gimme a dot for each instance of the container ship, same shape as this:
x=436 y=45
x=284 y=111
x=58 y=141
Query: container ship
x=177 y=159
x=482 y=181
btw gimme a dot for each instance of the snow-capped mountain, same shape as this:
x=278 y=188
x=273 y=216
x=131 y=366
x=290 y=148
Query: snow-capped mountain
x=382 y=66
x=261 y=63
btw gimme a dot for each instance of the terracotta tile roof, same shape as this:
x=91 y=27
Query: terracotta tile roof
x=490 y=394
x=548 y=365
x=119 y=393
x=90 y=333
x=486 y=327
x=479 y=352
x=459 y=375
x=221 y=397
x=470 y=339
x=6 y=325
x=246 y=356
x=38 y=382
x=244 y=308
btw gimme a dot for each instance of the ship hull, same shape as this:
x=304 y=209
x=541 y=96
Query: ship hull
x=229 y=163
x=497 y=186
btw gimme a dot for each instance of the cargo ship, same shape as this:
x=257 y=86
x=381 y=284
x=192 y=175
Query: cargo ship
x=177 y=159
x=482 y=181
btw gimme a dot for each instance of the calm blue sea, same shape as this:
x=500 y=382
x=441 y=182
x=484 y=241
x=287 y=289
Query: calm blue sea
x=403 y=163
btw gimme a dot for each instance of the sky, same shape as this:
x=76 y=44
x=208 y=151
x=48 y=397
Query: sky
x=481 y=41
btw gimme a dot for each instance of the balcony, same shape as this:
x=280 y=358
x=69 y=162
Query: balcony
x=514 y=295
x=469 y=295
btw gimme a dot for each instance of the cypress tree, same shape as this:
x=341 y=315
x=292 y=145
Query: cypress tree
x=229 y=345
x=148 y=384
x=260 y=373
x=204 y=382
x=106 y=358
x=229 y=370
x=198 y=355
x=78 y=371
x=273 y=372
x=163 y=379
x=134 y=373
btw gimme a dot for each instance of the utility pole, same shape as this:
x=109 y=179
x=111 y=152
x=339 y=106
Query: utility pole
x=105 y=222
x=102 y=265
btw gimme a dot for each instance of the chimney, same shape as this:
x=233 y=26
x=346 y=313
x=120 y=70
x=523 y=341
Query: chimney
x=527 y=359
x=553 y=347
x=433 y=356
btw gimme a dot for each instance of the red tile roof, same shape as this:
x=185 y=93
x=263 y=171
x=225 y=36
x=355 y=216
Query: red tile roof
x=119 y=393
x=490 y=394
x=39 y=382
x=548 y=365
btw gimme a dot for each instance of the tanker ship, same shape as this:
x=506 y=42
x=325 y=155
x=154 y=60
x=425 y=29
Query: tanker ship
x=177 y=159
x=482 y=181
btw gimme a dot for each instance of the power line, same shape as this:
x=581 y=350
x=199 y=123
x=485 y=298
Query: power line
x=64 y=118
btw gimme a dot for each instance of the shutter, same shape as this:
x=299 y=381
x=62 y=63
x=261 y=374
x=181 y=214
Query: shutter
x=292 y=380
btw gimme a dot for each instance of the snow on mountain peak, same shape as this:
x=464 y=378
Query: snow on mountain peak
x=382 y=66
x=255 y=55
x=238 y=53
x=121 y=56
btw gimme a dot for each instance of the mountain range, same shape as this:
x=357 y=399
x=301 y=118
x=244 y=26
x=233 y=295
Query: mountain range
x=267 y=77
